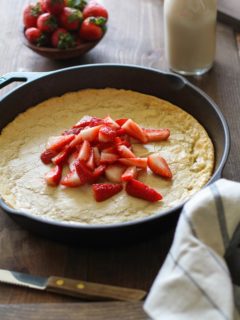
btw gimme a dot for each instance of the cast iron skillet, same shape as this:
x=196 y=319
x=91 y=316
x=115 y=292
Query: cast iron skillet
x=41 y=86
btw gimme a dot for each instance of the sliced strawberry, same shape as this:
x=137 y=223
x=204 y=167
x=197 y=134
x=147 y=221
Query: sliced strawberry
x=57 y=143
x=159 y=166
x=122 y=141
x=71 y=160
x=107 y=157
x=74 y=131
x=91 y=162
x=135 y=131
x=84 y=173
x=129 y=173
x=53 y=177
x=111 y=149
x=78 y=147
x=90 y=134
x=114 y=172
x=157 y=134
x=47 y=156
x=121 y=132
x=138 y=189
x=98 y=172
x=85 y=151
x=76 y=141
x=103 y=191
x=96 y=156
x=72 y=180
x=125 y=152
x=121 y=121
x=104 y=145
x=110 y=122
x=88 y=121
x=118 y=141
x=62 y=157
x=106 y=134
x=138 y=162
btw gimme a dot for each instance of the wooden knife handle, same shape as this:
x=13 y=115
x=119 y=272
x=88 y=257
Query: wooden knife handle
x=92 y=291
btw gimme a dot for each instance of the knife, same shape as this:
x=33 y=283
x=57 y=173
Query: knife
x=75 y=288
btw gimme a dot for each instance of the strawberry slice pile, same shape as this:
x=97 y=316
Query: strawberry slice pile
x=96 y=150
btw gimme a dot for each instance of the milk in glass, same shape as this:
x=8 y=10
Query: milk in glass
x=190 y=35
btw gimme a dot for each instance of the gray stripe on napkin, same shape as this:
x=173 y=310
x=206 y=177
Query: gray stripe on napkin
x=191 y=226
x=184 y=213
x=220 y=213
x=218 y=261
x=194 y=282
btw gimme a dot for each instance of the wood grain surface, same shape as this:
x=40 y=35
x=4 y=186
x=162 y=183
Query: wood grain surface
x=229 y=12
x=134 y=36
x=67 y=311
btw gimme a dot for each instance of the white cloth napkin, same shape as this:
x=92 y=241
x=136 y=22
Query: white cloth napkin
x=194 y=281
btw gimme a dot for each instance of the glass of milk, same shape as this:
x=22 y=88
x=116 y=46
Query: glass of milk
x=190 y=35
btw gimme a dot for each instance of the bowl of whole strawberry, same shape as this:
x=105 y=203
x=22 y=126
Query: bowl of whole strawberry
x=63 y=29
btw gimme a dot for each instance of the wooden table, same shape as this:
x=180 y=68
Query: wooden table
x=135 y=36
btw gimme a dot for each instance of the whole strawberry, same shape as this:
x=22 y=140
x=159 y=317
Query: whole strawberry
x=92 y=28
x=70 y=19
x=52 y=6
x=95 y=9
x=62 y=39
x=47 y=22
x=35 y=36
x=31 y=14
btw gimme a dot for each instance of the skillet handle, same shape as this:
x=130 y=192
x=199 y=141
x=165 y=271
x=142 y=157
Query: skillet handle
x=19 y=77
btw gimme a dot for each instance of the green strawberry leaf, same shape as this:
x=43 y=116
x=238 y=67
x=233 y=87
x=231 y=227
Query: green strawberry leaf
x=66 y=41
x=75 y=16
x=99 y=21
x=42 y=40
x=77 y=4
x=36 y=10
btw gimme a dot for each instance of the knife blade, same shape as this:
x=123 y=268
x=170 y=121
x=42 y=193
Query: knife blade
x=71 y=287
